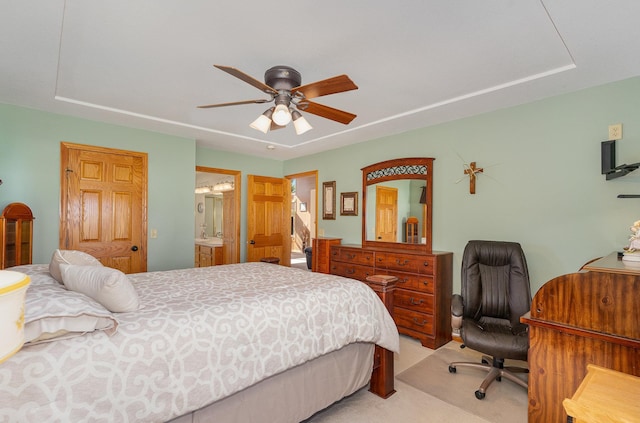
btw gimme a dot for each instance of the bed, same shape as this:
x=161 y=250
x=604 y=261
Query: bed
x=234 y=343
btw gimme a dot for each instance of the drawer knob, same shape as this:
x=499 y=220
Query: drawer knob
x=351 y=256
x=417 y=322
x=426 y=283
x=426 y=264
x=414 y=302
x=404 y=280
x=402 y=262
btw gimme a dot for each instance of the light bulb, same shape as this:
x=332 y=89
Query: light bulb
x=263 y=123
x=281 y=115
x=300 y=123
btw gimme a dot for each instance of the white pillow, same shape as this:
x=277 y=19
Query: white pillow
x=110 y=287
x=70 y=257
x=53 y=312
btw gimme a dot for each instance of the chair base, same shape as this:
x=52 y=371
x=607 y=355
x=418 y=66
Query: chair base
x=496 y=372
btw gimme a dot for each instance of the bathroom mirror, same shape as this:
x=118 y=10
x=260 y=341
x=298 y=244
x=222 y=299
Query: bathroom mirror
x=213 y=215
x=397 y=204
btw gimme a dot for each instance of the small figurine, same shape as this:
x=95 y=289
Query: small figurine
x=632 y=252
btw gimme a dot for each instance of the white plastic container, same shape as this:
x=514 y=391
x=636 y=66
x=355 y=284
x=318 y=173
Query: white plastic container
x=13 y=288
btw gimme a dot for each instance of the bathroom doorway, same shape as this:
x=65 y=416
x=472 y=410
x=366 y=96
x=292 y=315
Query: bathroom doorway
x=304 y=225
x=217 y=213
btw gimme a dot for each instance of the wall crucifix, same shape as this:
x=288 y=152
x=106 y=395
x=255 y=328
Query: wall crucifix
x=472 y=170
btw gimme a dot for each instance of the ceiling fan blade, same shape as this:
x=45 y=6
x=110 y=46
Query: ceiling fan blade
x=334 y=85
x=326 y=112
x=235 y=103
x=247 y=78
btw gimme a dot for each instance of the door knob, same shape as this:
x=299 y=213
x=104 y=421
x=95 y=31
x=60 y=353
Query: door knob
x=252 y=242
x=134 y=248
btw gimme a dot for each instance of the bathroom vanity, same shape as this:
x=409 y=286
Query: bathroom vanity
x=208 y=252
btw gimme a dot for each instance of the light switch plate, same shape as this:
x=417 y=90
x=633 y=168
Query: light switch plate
x=615 y=132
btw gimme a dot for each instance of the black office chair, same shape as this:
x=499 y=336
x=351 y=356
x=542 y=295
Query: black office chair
x=495 y=292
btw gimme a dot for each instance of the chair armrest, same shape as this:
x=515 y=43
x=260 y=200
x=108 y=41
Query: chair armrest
x=457 y=308
x=520 y=330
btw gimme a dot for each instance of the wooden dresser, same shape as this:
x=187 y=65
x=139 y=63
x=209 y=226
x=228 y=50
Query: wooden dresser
x=321 y=253
x=422 y=298
x=588 y=317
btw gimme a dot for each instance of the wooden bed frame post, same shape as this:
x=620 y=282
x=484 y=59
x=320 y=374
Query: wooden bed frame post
x=382 y=378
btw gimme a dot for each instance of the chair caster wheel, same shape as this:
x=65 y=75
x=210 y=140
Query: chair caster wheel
x=479 y=395
x=452 y=369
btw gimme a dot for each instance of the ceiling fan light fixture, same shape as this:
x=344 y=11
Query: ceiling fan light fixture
x=263 y=123
x=281 y=115
x=300 y=123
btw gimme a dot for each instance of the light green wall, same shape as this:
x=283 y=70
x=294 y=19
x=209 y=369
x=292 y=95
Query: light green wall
x=541 y=187
x=30 y=169
x=542 y=184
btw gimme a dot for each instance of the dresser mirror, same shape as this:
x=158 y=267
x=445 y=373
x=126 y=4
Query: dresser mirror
x=397 y=204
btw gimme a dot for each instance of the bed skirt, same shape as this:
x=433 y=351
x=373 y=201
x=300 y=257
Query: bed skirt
x=296 y=394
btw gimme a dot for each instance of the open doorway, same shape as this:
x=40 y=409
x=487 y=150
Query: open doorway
x=217 y=216
x=304 y=226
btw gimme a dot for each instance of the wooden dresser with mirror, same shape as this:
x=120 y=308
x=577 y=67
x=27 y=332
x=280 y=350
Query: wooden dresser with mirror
x=394 y=192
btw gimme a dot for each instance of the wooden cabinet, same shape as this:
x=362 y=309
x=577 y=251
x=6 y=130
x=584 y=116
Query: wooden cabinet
x=321 y=253
x=422 y=298
x=580 y=319
x=207 y=255
x=16 y=234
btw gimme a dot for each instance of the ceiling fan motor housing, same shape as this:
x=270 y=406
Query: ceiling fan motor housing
x=282 y=78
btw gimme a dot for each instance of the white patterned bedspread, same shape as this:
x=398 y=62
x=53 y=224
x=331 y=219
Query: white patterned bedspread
x=199 y=336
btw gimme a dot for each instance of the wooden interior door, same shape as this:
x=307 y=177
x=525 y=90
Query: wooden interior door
x=386 y=214
x=228 y=228
x=103 y=205
x=268 y=218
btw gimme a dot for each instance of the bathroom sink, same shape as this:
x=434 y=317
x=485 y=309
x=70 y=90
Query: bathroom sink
x=209 y=241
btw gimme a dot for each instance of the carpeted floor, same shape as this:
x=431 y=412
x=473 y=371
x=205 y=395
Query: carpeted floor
x=299 y=260
x=504 y=401
x=410 y=404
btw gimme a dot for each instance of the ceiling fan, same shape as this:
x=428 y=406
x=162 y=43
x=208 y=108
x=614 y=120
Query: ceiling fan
x=282 y=83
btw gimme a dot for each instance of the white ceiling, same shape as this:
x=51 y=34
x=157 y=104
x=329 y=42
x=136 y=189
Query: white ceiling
x=149 y=63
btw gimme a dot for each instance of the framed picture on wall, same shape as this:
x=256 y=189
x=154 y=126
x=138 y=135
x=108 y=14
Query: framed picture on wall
x=303 y=207
x=329 y=200
x=349 y=204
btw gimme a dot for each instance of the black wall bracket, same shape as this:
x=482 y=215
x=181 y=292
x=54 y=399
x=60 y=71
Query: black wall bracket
x=608 y=159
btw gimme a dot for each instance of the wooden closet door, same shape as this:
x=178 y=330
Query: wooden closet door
x=104 y=202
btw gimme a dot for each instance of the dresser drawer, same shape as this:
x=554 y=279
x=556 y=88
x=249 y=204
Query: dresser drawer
x=349 y=270
x=355 y=256
x=412 y=300
x=405 y=262
x=419 y=322
x=412 y=281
